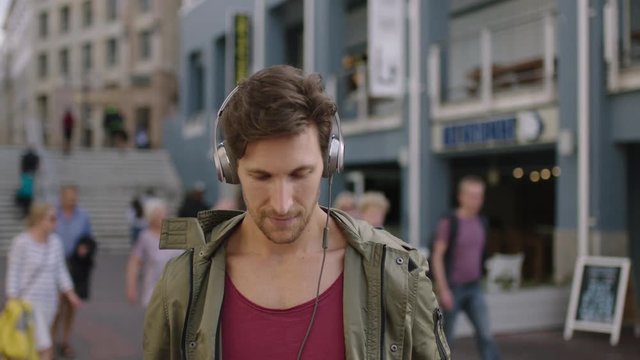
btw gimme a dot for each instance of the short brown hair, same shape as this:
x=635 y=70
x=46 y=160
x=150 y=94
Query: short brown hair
x=470 y=179
x=38 y=212
x=276 y=101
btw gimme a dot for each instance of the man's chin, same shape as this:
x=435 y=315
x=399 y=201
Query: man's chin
x=281 y=237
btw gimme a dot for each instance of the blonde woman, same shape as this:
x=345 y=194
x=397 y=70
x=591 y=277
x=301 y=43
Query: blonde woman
x=36 y=272
x=373 y=207
x=146 y=255
x=347 y=202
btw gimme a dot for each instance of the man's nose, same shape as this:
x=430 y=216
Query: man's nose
x=281 y=196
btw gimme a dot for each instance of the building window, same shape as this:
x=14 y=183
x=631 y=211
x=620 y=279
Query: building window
x=196 y=83
x=87 y=62
x=64 y=62
x=112 y=10
x=144 y=5
x=112 y=52
x=42 y=66
x=65 y=19
x=42 y=102
x=145 y=45
x=87 y=13
x=43 y=25
x=143 y=127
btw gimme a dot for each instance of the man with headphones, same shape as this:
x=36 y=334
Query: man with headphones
x=287 y=279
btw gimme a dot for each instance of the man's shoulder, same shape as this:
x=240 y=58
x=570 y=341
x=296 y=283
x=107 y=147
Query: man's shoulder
x=364 y=234
x=177 y=272
x=83 y=212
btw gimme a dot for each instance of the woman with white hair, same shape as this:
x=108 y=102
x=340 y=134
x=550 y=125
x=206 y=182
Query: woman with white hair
x=373 y=207
x=146 y=255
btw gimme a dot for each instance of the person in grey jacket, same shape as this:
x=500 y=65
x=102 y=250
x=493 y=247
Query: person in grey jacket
x=287 y=278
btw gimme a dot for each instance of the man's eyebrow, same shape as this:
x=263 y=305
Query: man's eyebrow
x=257 y=171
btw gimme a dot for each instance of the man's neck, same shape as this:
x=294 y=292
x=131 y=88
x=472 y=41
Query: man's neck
x=252 y=240
x=68 y=210
x=466 y=213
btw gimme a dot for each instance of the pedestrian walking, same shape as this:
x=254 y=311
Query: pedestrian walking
x=194 y=201
x=457 y=265
x=346 y=201
x=37 y=273
x=373 y=207
x=73 y=225
x=29 y=164
x=287 y=278
x=146 y=258
x=136 y=219
x=68 y=122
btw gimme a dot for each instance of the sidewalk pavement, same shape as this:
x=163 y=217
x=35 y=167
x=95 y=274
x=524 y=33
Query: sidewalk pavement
x=110 y=328
x=550 y=345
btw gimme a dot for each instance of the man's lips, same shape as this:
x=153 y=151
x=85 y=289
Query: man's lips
x=282 y=221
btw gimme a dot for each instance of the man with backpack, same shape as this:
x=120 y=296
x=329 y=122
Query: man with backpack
x=457 y=259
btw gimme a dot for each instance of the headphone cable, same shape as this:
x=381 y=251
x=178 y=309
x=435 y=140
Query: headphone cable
x=325 y=245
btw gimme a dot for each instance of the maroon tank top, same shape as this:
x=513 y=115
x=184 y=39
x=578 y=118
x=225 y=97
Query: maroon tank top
x=250 y=331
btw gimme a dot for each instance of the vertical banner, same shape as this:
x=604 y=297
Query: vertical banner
x=241 y=29
x=386 y=21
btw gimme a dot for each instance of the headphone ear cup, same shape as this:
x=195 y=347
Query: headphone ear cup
x=224 y=168
x=335 y=155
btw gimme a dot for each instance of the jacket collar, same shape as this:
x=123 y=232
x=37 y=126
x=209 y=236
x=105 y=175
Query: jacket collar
x=189 y=233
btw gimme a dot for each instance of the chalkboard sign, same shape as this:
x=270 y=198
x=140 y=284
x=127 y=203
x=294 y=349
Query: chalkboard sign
x=597 y=296
x=598 y=293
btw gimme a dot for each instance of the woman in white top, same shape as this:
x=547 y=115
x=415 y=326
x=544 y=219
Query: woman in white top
x=36 y=272
x=146 y=255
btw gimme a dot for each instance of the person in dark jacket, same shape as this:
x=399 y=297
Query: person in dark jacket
x=67 y=130
x=29 y=164
x=194 y=202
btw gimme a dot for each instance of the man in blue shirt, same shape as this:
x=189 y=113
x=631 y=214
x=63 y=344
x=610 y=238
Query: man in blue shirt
x=73 y=225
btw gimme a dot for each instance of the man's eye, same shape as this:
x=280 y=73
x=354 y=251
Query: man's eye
x=261 y=177
x=300 y=174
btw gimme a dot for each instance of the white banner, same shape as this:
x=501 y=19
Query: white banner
x=386 y=47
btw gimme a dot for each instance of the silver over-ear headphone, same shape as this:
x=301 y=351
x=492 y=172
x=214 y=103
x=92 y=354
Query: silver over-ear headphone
x=227 y=171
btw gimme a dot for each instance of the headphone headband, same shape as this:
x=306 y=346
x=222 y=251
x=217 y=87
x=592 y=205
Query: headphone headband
x=226 y=166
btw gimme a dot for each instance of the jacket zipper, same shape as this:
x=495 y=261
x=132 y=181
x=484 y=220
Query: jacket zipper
x=437 y=320
x=186 y=317
x=382 y=304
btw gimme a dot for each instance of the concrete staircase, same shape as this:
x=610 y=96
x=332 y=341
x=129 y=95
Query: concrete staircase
x=10 y=223
x=107 y=180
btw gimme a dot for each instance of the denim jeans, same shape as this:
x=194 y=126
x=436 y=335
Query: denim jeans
x=470 y=299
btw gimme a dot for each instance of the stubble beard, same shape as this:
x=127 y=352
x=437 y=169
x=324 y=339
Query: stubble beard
x=302 y=219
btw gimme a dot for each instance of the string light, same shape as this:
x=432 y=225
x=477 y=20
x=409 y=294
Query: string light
x=545 y=174
x=534 y=176
x=518 y=173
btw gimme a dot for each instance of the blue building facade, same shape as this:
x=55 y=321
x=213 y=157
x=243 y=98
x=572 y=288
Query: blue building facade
x=488 y=87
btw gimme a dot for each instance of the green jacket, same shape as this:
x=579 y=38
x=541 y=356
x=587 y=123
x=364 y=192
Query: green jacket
x=390 y=311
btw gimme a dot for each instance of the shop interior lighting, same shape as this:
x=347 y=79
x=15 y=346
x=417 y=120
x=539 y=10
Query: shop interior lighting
x=545 y=174
x=518 y=173
x=534 y=176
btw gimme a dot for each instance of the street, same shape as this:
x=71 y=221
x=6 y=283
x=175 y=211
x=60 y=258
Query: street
x=110 y=328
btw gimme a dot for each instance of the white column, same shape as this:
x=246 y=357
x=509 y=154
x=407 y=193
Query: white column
x=549 y=54
x=414 y=122
x=309 y=36
x=583 y=127
x=259 y=35
x=611 y=46
x=434 y=69
x=487 y=66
